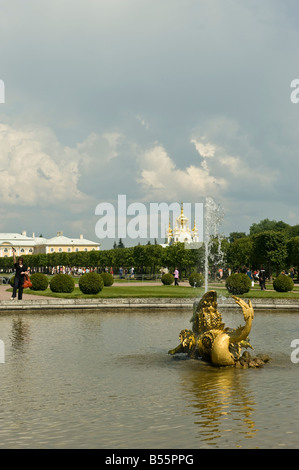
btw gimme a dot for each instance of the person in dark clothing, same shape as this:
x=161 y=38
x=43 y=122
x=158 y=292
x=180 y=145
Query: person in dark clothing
x=20 y=271
x=262 y=278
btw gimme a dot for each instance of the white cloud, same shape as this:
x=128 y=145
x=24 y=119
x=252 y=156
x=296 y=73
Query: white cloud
x=143 y=122
x=36 y=169
x=228 y=150
x=161 y=178
x=205 y=150
x=240 y=169
x=98 y=149
x=113 y=139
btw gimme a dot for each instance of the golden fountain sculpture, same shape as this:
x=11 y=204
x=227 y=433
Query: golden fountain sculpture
x=210 y=340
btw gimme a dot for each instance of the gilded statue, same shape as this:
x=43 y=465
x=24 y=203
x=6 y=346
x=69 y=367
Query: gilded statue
x=211 y=341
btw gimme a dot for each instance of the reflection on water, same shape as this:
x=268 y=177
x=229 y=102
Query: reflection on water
x=105 y=380
x=20 y=335
x=218 y=396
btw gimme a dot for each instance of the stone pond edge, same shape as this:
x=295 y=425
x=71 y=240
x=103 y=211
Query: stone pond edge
x=138 y=303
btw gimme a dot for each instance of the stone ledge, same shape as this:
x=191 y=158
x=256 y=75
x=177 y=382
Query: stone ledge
x=165 y=303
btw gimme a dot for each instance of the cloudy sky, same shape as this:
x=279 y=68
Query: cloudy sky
x=158 y=100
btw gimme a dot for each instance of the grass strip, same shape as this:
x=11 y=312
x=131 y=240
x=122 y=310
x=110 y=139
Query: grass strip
x=131 y=291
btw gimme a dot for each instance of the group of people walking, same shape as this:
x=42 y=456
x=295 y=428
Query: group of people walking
x=259 y=275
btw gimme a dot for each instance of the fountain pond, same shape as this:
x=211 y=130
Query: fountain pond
x=105 y=380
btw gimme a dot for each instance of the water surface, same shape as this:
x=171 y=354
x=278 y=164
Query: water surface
x=105 y=380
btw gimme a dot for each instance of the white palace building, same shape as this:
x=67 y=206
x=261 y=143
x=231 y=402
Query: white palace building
x=25 y=245
x=181 y=232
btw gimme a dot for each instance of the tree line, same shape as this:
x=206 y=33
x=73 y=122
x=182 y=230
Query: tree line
x=275 y=245
x=272 y=244
x=146 y=259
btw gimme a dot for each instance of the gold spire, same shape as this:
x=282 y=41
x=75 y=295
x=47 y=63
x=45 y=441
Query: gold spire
x=169 y=228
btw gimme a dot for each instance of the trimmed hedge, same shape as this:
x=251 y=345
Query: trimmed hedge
x=39 y=281
x=91 y=283
x=238 y=283
x=107 y=278
x=283 y=283
x=62 y=283
x=167 y=279
x=196 y=279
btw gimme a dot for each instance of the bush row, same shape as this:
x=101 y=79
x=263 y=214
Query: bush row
x=195 y=279
x=93 y=283
x=240 y=283
x=89 y=283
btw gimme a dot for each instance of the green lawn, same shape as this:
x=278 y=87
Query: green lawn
x=160 y=291
x=119 y=291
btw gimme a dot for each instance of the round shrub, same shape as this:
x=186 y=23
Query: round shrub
x=12 y=280
x=91 y=283
x=283 y=283
x=108 y=279
x=238 y=283
x=39 y=281
x=167 y=279
x=62 y=283
x=196 y=279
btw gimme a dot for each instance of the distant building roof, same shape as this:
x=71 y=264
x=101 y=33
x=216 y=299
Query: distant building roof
x=22 y=239
x=62 y=240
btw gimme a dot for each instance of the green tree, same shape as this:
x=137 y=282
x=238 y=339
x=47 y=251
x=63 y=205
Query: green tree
x=270 y=249
x=293 y=253
x=268 y=225
x=239 y=253
x=120 y=244
x=153 y=256
x=235 y=235
x=293 y=231
x=107 y=258
x=139 y=256
x=93 y=258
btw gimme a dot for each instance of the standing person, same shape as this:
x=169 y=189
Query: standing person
x=20 y=270
x=249 y=274
x=176 y=277
x=132 y=272
x=292 y=273
x=262 y=278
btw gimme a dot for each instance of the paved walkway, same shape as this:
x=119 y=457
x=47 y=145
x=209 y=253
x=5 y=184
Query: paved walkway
x=4 y=295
